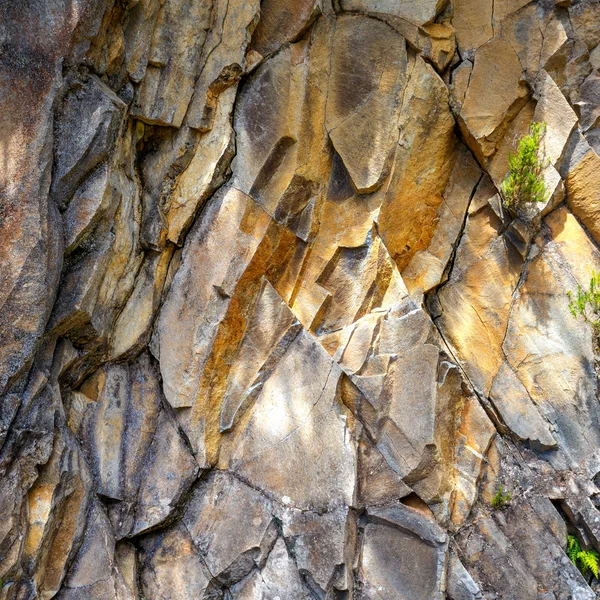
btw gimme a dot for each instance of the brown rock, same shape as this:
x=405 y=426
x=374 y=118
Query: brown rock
x=407 y=217
x=583 y=192
x=362 y=107
x=419 y=13
x=497 y=75
x=173 y=62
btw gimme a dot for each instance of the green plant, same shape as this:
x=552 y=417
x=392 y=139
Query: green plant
x=501 y=498
x=587 y=304
x=524 y=183
x=587 y=561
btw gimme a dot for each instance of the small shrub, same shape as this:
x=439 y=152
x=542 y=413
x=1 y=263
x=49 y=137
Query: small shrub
x=587 y=304
x=501 y=498
x=587 y=561
x=524 y=183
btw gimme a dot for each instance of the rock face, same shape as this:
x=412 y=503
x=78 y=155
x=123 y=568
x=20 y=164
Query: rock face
x=267 y=330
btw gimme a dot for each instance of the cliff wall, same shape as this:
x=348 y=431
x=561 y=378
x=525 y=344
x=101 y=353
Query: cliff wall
x=267 y=329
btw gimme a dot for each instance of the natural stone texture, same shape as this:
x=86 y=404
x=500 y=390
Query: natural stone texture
x=222 y=58
x=475 y=302
x=231 y=525
x=396 y=540
x=363 y=99
x=308 y=429
x=561 y=343
x=583 y=192
x=84 y=142
x=426 y=268
x=172 y=568
x=278 y=579
x=460 y=584
x=183 y=353
x=206 y=170
x=472 y=21
x=173 y=62
x=419 y=175
x=267 y=330
x=281 y=21
x=517 y=410
x=497 y=76
x=418 y=13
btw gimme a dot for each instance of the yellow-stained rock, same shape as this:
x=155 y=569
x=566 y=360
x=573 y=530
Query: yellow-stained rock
x=583 y=192
x=420 y=171
x=497 y=77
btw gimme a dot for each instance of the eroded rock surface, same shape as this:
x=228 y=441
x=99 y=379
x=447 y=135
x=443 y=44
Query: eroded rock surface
x=267 y=330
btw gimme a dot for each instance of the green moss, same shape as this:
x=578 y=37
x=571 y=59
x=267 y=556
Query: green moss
x=524 y=183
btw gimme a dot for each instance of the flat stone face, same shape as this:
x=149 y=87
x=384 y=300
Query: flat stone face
x=301 y=424
x=496 y=67
x=231 y=525
x=398 y=560
x=583 y=192
x=420 y=171
x=364 y=97
x=268 y=330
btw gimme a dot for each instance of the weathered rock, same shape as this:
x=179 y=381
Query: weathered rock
x=517 y=410
x=460 y=584
x=172 y=568
x=497 y=75
x=173 y=62
x=396 y=540
x=583 y=192
x=406 y=221
x=426 y=268
x=279 y=579
x=84 y=142
x=363 y=99
x=558 y=262
x=472 y=21
x=419 y=13
x=182 y=354
x=222 y=58
x=281 y=21
x=307 y=427
x=259 y=194
x=474 y=321
x=231 y=525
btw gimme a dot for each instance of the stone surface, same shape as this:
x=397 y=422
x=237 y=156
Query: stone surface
x=363 y=99
x=267 y=330
x=583 y=192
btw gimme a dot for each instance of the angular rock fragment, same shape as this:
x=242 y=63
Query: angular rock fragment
x=222 y=59
x=420 y=172
x=419 y=13
x=89 y=121
x=173 y=62
x=518 y=411
x=363 y=99
x=279 y=579
x=281 y=21
x=583 y=192
x=185 y=330
x=497 y=76
x=402 y=556
x=306 y=428
x=426 y=268
x=171 y=568
x=231 y=525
